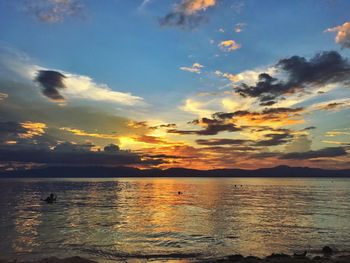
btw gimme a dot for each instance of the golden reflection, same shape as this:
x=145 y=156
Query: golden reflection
x=27 y=221
x=145 y=217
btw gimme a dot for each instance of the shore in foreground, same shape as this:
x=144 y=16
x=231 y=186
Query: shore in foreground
x=274 y=258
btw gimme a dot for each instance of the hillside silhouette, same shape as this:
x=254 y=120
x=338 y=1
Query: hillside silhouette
x=122 y=171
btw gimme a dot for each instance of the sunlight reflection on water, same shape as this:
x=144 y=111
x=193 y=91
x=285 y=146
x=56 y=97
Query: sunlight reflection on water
x=139 y=218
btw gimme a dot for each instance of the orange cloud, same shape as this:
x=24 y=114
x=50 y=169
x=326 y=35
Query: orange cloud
x=32 y=129
x=193 y=6
x=152 y=140
x=273 y=117
x=87 y=134
x=229 y=45
x=343 y=34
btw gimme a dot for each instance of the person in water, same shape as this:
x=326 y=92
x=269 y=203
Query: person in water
x=50 y=199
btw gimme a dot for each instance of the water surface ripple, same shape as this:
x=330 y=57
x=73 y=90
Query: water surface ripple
x=122 y=219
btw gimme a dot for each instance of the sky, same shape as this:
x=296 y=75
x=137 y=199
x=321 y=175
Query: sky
x=201 y=84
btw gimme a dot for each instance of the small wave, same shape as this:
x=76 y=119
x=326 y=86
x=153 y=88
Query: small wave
x=122 y=255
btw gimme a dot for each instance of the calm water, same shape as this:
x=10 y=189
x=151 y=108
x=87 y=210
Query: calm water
x=136 y=218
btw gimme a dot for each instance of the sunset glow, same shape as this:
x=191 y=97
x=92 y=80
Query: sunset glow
x=187 y=83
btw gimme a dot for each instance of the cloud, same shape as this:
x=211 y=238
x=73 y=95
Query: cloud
x=332 y=105
x=270 y=116
x=29 y=142
x=163 y=126
x=175 y=155
x=195 y=107
x=195 y=68
x=229 y=45
x=15 y=131
x=343 y=34
x=33 y=129
x=51 y=82
x=10 y=131
x=144 y=4
x=72 y=147
x=187 y=14
x=3 y=96
x=231 y=77
x=232 y=150
x=69 y=154
x=302 y=74
x=242 y=120
x=215 y=142
x=84 y=87
x=211 y=127
x=54 y=11
x=137 y=124
x=337 y=133
x=59 y=87
x=301 y=143
x=309 y=128
x=322 y=153
x=152 y=140
x=337 y=142
x=274 y=139
x=88 y=134
x=279 y=137
x=239 y=27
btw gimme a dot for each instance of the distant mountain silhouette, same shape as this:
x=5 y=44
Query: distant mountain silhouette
x=111 y=172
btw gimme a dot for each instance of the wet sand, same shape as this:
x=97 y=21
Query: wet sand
x=274 y=258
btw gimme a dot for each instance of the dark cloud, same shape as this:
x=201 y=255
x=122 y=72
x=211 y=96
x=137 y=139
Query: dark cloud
x=144 y=124
x=334 y=106
x=210 y=129
x=53 y=11
x=275 y=139
x=325 y=152
x=45 y=149
x=51 y=81
x=79 y=157
x=267 y=103
x=272 y=111
x=187 y=15
x=214 y=142
x=72 y=147
x=163 y=126
x=10 y=130
x=232 y=149
x=309 y=128
x=263 y=155
x=268 y=114
x=324 y=68
x=222 y=121
x=166 y=156
x=24 y=136
x=182 y=20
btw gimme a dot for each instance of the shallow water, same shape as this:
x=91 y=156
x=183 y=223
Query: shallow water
x=136 y=219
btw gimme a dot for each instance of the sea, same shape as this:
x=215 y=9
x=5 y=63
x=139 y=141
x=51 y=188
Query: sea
x=172 y=219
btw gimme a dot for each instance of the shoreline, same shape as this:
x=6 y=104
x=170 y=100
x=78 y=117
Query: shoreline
x=273 y=258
